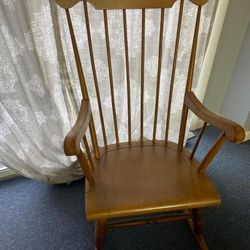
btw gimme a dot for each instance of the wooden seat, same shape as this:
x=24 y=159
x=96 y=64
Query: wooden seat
x=148 y=179
x=142 y=176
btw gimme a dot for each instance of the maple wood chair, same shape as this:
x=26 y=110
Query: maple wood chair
x=144 y=177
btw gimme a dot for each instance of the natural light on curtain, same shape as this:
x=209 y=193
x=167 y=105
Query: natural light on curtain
x=151 y=63
x=39 y=87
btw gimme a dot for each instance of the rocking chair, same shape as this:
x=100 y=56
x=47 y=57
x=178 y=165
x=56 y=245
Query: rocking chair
x=146 y=176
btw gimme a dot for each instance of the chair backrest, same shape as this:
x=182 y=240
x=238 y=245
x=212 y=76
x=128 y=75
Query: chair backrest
x=123 y=6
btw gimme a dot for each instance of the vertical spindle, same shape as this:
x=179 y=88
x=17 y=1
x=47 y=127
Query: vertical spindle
x=142 y=72
x=82 y=83
x=105 y=16
x=94 y=73
x=171 y=87
x=189 y=80
x=127 y=73
x=158 y=73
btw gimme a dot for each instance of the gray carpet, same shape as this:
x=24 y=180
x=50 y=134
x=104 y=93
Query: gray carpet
x=36 y=216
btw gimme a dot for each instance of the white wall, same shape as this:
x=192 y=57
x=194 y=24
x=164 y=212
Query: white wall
x=233 y=33
x=236 y=103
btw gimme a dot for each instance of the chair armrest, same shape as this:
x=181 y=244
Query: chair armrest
x=233 y=131
x=74 y=137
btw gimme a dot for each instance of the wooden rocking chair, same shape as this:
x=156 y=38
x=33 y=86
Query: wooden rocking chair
x=143 y=177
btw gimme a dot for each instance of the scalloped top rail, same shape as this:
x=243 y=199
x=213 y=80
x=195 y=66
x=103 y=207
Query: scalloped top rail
x=126 y=4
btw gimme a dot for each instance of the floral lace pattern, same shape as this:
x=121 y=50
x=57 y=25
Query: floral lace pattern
x=116 y=38
x=39 y=86
x=33 y=114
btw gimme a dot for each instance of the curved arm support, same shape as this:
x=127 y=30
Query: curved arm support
x=75 y=135
x=233 y=131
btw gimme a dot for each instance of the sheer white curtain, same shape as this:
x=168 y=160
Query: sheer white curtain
x=35 y=113
x=151 y=63
x=39 y=88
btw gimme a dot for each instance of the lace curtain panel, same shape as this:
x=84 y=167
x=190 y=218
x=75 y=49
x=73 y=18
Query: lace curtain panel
x=39 y=87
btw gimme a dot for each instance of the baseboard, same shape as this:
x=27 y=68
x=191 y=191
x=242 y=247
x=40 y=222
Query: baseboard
x=247 y=137
x=7 y=174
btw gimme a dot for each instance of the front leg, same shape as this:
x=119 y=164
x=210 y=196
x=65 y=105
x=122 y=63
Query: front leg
x=99 y=233
x=197 y=221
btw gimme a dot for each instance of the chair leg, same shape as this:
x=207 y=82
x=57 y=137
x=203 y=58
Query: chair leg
x=197 y=221
x=196 y=226
x=99 y=233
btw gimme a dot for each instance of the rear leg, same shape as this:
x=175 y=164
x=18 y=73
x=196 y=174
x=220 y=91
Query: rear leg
x=196 y=226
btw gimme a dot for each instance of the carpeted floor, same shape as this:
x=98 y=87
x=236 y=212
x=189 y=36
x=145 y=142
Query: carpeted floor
x=36 y=216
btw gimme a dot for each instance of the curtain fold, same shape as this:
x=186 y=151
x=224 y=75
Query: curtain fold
x=39 y=87
x=35 y=114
